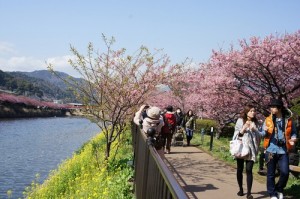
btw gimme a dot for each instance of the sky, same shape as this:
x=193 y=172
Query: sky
x=35 y=32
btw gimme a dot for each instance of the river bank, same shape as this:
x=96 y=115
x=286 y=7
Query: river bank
x=8 y=110
x=19 y=111
x=17 y=106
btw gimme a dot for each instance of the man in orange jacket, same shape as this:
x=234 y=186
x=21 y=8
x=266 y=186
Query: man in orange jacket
x=280 y=137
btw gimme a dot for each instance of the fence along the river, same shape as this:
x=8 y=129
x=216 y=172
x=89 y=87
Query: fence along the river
x=152 y=177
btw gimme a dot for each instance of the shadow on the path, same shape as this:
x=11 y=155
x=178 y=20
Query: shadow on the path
x=192 y=189
x=199 y=188
x=263 y=194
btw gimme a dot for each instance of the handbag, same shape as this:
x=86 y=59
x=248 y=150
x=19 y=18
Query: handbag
x=188 y=123
x=238 y=148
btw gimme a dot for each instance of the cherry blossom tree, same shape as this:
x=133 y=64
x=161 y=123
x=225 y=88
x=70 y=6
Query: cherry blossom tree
x=173 y=90
x=116 y=84
x=258 y=71
x=263 y=69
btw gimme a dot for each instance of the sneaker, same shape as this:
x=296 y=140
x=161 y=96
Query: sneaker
x=274 y=197
x=280 y=195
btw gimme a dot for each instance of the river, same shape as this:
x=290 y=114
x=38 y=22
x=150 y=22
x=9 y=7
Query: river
x=37 y=146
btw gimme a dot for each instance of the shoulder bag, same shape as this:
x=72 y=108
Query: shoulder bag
x=238 y=148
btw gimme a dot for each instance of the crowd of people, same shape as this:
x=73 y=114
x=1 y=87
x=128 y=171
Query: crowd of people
x=277 y=132
x=165 y=124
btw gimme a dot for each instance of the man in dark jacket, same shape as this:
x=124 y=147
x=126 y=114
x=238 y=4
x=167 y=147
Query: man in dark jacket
x=179 y=117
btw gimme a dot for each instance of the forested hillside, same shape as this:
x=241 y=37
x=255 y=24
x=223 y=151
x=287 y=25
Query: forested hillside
x=40 y=85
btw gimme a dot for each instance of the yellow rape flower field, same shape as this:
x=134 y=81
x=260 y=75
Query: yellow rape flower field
x=88 y=175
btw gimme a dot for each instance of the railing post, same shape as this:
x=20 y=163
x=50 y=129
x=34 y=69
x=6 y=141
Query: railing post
x=211 y=138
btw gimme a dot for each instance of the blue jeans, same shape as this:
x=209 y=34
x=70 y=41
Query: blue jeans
x=189 y=135
x=283 y=162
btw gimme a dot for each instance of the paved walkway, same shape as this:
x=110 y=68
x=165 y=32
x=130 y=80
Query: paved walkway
x=203 y=176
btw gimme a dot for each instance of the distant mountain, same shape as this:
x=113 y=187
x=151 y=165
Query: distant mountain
x=49 y=77
x=41 y=85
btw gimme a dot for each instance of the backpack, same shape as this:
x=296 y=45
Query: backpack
x=154 y=139
x=168 y=127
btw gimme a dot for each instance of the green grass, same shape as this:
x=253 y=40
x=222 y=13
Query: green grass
x=220 y=150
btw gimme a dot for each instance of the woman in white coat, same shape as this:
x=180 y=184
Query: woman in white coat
x=246 y=129
x=152 y=119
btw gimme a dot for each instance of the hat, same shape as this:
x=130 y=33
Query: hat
x=276 y=102
x=153 y=112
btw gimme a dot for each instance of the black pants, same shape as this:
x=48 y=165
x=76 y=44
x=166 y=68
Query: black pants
x=249 y=174
x=167 y=139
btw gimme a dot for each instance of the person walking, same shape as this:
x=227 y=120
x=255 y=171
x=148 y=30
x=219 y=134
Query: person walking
x=179 y=117
x=151 y=120
x=190 y=125
x=280 y=137
x=169 y=128
x=246 y=128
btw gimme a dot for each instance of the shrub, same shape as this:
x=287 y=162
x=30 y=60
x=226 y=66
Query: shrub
x=206 y=124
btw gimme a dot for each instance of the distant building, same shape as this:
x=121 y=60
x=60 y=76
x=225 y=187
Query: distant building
x=76 y=104
x=58 y=102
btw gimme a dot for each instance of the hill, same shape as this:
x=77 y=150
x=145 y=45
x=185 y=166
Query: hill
x=49 y=77
x=41 y=85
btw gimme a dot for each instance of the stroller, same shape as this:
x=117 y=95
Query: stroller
x=178 y=137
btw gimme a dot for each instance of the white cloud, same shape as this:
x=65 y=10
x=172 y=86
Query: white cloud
x=11 y=61
x=29 y=64
x=21 y=64
x=61 y=64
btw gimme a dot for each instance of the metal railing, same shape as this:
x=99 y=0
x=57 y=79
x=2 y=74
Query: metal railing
x=153 y=179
